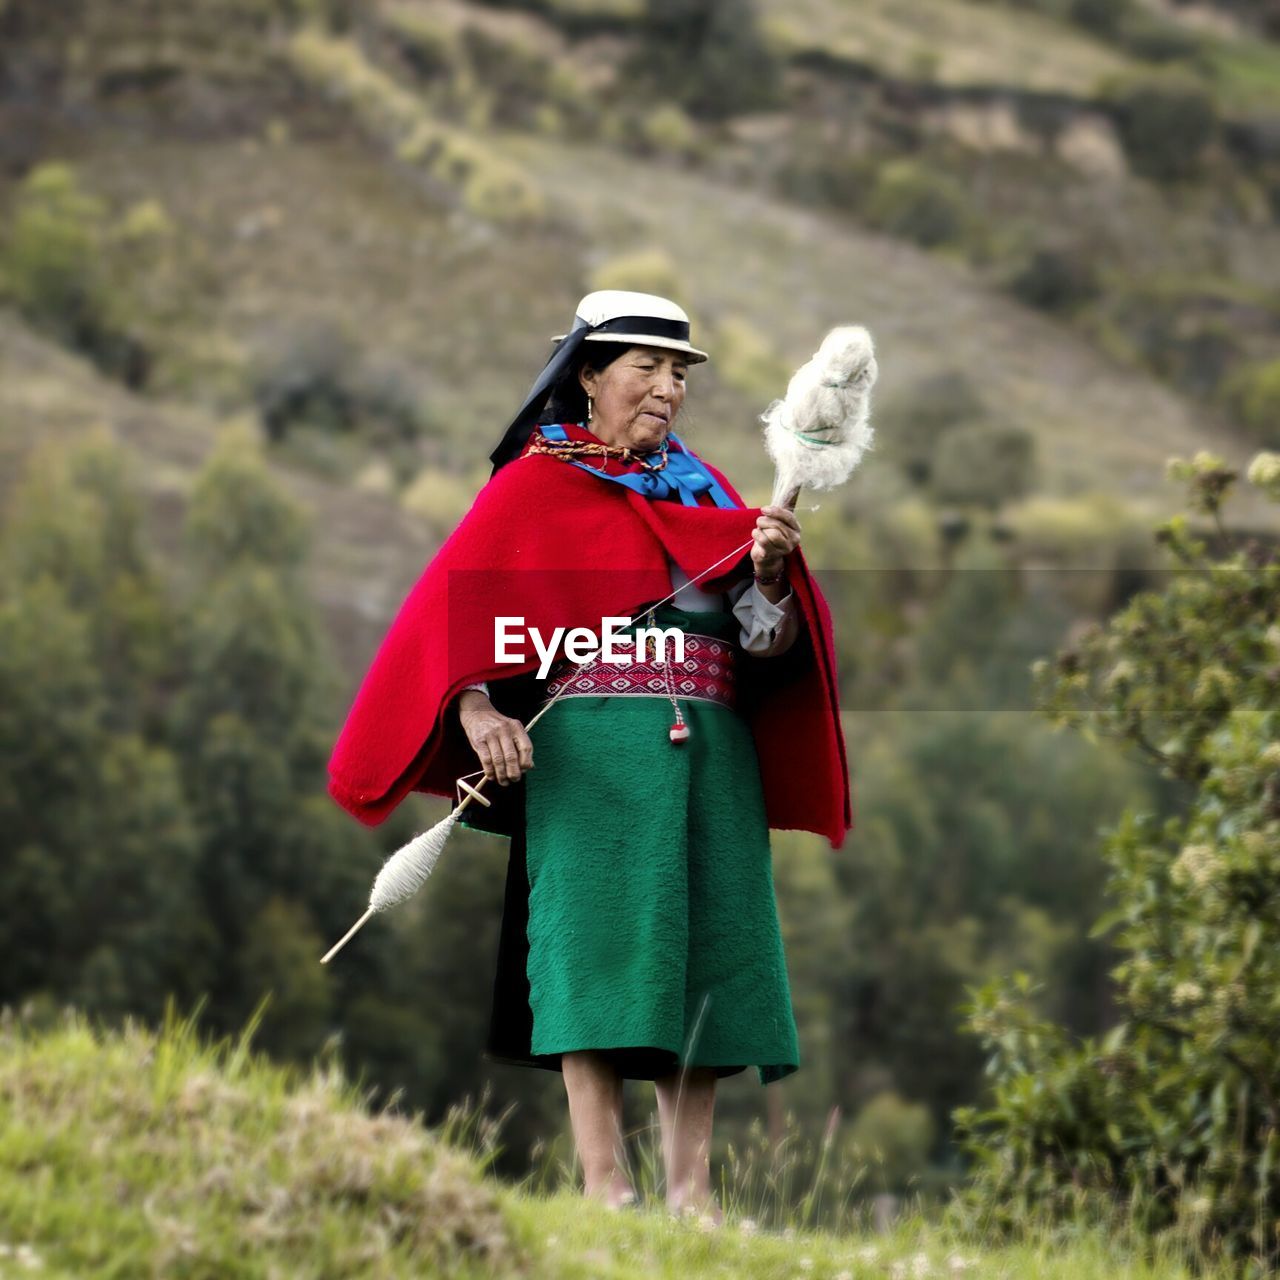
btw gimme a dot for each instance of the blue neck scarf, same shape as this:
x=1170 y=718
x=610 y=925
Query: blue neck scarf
x=684 y=476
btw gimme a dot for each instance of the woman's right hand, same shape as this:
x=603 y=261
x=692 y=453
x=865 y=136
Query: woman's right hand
x=499 y=741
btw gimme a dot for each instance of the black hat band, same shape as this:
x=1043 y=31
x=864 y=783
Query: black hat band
x=678 y=329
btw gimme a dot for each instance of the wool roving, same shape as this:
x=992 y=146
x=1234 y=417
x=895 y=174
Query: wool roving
x=817 y=433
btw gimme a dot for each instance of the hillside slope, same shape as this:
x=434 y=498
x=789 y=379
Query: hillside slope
x=144 y=1153
x=366 y=550
x=469 y=312
x=298 y=215
x=793 y=274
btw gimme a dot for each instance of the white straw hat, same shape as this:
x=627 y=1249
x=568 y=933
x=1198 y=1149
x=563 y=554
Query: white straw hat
x=620 y=315
x=608 y=315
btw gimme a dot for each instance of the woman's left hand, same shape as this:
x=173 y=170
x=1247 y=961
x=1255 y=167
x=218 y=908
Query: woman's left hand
x=777 y=535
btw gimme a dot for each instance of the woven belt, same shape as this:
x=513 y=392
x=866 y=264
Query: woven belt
x=708 y=673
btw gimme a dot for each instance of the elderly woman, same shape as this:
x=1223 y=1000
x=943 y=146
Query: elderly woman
x=640 y=936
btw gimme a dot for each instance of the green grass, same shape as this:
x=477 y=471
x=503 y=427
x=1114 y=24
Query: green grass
x=955 y=43
x=949 y=41
x=792 y=273
x=137 y=1152
x=1246 y=75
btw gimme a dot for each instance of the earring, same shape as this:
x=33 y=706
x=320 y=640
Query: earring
x=588 y=409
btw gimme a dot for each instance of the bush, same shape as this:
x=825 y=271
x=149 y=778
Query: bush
x=1201 y=355
x=1254 y=393
x=1101 y=17
x=645 y=270
x=711 y=58
x=1154 y=40
x=918 y=203
x=1093 y=535
x=515 y=74
x=55 y=271
x=52 y=261
x=335 y=16
x=984 y=464
x=438 y=497
x=914 y=420
x=1179 y=327
x=1055 y=279
x=339 y=69
x=430 y=48
x=814 y=171
x=746 y=361
x=1166 y=120
x=315 y=376
x=490 y=187
x=1171 y=1117
x=668 y=130
x=901 y=1132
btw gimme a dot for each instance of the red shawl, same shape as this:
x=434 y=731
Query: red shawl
x=546 y=541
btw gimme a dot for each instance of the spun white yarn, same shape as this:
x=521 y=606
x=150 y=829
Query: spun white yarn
x=817 y=433
x=405 y=871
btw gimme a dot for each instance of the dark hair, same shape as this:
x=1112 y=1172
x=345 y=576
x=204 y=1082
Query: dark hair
x=568 y=401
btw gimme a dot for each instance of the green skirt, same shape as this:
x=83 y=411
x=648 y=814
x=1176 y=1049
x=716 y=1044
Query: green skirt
x=652 y=919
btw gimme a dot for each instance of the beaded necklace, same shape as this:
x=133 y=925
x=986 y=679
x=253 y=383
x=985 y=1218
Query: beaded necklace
x=570 y=449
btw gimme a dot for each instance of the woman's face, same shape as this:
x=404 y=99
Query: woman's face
x=636 y=398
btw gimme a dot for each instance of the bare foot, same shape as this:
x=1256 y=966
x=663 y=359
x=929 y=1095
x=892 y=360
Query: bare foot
x=615 y=1193
x=702 y=1209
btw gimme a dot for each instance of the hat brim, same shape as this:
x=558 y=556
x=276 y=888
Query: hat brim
x=645 y=340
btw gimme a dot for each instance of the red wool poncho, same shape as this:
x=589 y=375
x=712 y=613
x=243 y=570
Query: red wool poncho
x=547 y=542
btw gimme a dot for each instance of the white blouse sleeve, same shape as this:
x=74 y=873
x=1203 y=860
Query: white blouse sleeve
x=768 y=629
x=482 y=686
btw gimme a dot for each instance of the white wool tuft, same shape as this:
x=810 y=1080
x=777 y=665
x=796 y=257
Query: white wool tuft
x=817 y=434
x=404 y=873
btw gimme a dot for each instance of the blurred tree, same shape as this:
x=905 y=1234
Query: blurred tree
x=918 y=202
x=914 y=421
x=710 y=58
x=250 y=721
x=1254 y=392
x=893 y=1137
x=1172 y=1119
x=280 y=955
x=51 y=254
x=1166 y=119
x=76 y=520
x=967 y=824
x=984 y=464
x=961 y=641
x=1056 y=277
x=456 y=924
x=163 y=823
x=316 y=376
x=100 y=855
x=817 y=926
x=1102 y=17
x=53 y=269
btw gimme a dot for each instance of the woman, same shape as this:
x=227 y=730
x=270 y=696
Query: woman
x=640 y=936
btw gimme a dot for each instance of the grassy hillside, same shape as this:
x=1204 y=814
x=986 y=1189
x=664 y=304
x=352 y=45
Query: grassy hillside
x=953 y=44
x=368 y=551
x=467 y=313
x=1097 y=425
x=302 y=202
x=136 y=1153
x=987 y=43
